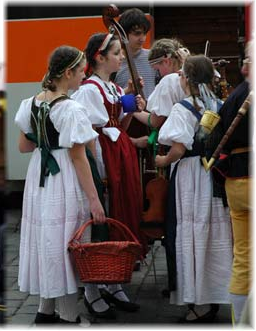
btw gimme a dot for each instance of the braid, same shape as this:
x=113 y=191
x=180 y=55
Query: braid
x=198 y=70
x=62 y=58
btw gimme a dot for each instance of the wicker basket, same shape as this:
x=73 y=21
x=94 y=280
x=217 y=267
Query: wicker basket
x=108 y=262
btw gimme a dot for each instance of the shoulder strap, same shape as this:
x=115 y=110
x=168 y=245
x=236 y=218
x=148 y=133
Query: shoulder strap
x=190 y=107
x=90 y=81
x=62 y=97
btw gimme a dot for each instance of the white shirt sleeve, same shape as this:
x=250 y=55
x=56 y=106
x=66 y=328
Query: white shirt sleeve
x=90 y=98
x=70 y=120
x=22 y=117
x=166 y=94
x=180 y=127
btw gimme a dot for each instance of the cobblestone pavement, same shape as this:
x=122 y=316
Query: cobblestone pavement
x=145 y=288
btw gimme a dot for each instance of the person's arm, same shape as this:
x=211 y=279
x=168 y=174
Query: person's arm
x=92 y=147
x=83 y=171
x=130 y=87
x=155 y=120
x=25 y=145
x=140 y=142
x=175 y=153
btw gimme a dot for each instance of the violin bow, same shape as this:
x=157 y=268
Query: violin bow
x=109 y=13
x=207 y=48
x=240 y=114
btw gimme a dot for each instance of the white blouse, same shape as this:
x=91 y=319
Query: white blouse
x=90 y=97
x=180 y=125
x=165 y=95
x=68 y=117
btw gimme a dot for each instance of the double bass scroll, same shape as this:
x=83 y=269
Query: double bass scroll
x=109 y=15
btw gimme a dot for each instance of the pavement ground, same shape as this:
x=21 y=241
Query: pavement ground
x=145 y=288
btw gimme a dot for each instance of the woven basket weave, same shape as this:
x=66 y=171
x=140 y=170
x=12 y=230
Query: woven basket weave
x=108 y=262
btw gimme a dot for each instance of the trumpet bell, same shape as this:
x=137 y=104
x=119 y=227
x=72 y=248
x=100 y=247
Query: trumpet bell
x=209 y=121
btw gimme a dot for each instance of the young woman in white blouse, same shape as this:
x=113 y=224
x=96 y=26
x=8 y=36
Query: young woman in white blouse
x=59 y=192
x=203 y=238
x=115 y=155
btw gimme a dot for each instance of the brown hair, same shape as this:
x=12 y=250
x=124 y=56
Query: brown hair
x=93 y=46
x=198 y=69
x=62 y=58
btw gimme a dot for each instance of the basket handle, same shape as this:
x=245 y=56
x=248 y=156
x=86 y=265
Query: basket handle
x=80 y=231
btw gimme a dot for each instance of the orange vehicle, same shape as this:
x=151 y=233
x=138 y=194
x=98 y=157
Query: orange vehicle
x=29 y=44
x=32 y=32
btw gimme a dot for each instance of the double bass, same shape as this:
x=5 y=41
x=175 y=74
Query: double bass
x=109 y=13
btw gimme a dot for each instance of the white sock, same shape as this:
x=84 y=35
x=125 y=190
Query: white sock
x=102 y=286
x=91 y=292
x=238 y=302
x=68 y=308
x=46 y=306
x=119 y=295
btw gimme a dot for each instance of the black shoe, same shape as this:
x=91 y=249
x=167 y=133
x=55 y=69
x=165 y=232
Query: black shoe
x=46 y=319
x=77 y=321
x=136 y=266
x=206 y=318
x=107 y=314
x=122 y=305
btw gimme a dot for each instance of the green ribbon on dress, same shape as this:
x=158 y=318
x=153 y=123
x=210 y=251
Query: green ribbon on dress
x=152 y=139
x=48 y=163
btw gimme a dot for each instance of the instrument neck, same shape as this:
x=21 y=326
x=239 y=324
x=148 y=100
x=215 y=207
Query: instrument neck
x=133 y=70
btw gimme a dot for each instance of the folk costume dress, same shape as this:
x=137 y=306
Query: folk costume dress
x=203 y=231
x=53 y=212
x=160 y=102
x=116 y=155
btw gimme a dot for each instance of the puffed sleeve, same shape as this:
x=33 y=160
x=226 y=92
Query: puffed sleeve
x=70 y=120
x=166 y=94
x=89 y=97
x=22 y=117
x=180 y=127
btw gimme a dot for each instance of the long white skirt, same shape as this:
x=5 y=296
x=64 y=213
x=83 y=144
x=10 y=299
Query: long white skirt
x=50 y=217
x=204 y=238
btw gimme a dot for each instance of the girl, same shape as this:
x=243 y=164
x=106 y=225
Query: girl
x=114 y=152
x=59 y=191
x=166 y=56
x=203 y=232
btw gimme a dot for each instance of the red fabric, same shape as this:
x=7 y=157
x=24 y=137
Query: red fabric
x=121 y=162
x=222 y=156
x=248 y=21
